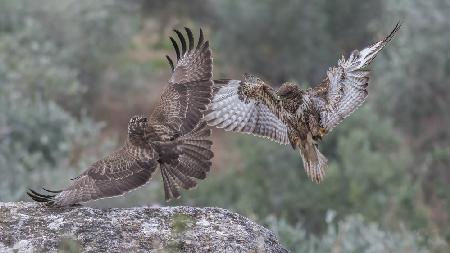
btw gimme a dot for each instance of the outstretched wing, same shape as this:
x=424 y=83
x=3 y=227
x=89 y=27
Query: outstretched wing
x=114 y=175
x=249 y=107
x=189 y=90
x=345 y=87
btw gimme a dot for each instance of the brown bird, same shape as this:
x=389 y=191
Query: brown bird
x=292 y=115
x=173 y=138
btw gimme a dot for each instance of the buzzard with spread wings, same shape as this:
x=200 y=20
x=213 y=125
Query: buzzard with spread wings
x=292 y=115
x=174 y=137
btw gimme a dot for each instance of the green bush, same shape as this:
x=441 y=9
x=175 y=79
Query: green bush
x=41 y=144
x=352 y=234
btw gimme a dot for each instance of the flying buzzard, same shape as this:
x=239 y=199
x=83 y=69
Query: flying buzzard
x=292 y=115
x=173 y=137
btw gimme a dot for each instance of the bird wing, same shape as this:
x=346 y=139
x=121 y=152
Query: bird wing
x=174 y=123
x=345 y=87
x=235 y=109
x=189 y=90
x=113 y=175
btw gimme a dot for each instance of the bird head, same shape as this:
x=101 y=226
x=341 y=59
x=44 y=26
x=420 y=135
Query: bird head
x=287 y=90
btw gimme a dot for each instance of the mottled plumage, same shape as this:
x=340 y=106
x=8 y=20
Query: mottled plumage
x=292 y=115
x=173 y=137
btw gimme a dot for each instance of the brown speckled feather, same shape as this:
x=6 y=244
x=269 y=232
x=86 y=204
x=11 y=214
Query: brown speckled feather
x=292 y=115
x=249 y=106
x=189 y=90
x=173 y=137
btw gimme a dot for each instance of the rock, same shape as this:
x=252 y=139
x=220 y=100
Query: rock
x=31 y=227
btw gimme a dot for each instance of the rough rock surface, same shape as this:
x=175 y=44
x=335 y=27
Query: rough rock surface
x=30 y=227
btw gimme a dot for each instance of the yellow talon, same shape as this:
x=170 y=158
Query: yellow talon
x=322 y=132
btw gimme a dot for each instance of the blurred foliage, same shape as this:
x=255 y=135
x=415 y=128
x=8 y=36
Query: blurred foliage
x=82 y=41
x=422 y=72
x=66 y=68
x=352 y=234
x=252 y=37
x=417 y=97
x=39 y=142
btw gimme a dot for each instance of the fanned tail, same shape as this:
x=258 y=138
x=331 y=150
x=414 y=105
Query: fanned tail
x=192 y=163
x=314 y=162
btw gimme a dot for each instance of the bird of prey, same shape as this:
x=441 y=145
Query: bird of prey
x=174 y=137
x=293 y=115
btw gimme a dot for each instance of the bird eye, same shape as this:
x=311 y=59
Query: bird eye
x=287 y=93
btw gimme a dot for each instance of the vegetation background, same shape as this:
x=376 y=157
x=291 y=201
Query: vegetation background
x=73 y=72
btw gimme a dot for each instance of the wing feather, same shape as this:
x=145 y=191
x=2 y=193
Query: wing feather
x=345 y=87
x=189 y=90
x=113 y=175
x=231 y=111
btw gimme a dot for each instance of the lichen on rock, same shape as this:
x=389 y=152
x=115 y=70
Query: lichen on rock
x=31 y=227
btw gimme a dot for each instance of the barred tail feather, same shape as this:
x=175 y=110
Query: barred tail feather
x=314 y=162
x=171 y=190
x=193 y=162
